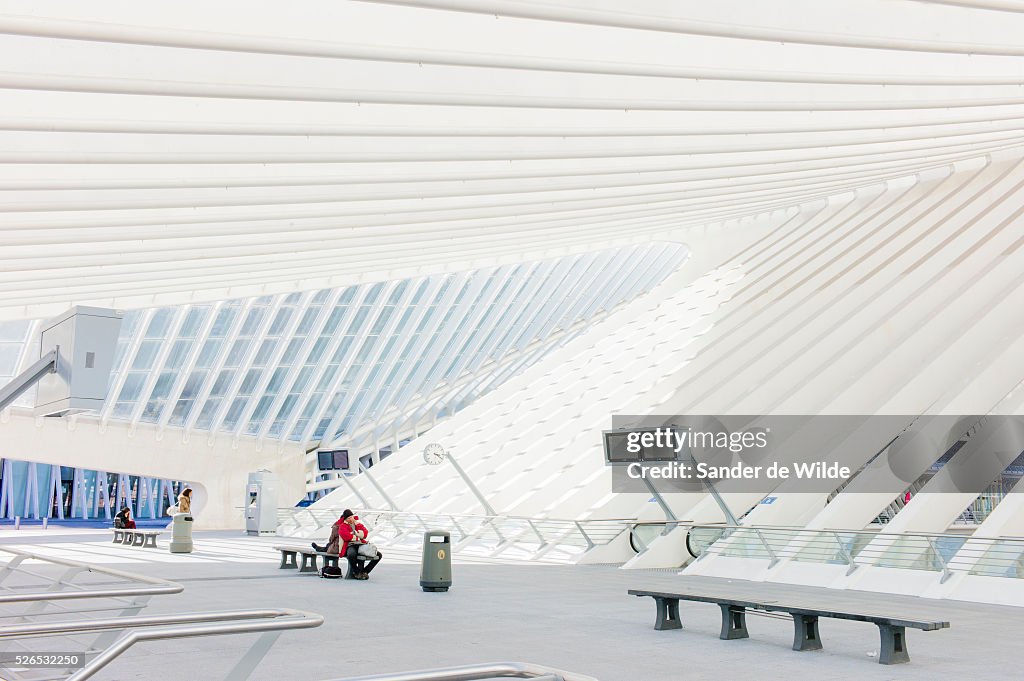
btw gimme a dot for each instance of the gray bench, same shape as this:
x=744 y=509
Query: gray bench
x=289 y=554
x=892 y=627
x=143 y=538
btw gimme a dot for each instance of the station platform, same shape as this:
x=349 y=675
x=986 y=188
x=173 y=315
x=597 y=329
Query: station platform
x=577 y=618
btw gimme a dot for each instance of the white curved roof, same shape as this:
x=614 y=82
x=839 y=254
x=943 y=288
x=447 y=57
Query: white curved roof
x=161 y=153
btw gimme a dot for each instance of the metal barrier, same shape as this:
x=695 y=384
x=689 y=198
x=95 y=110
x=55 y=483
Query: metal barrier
x=480 y=672
x=34 y=587
x=49 y=589
x=947 y=554
x=498 y=532
x=269 y=622
x=63 y=587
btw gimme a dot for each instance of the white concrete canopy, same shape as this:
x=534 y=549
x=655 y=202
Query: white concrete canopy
x=157 y=154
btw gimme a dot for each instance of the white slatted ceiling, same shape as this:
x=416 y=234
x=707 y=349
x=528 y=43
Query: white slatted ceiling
x=154 y=154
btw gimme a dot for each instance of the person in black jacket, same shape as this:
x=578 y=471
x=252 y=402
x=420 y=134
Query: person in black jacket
x=123 y=519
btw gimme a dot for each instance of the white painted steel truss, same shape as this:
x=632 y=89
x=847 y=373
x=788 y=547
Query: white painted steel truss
x=327 y=364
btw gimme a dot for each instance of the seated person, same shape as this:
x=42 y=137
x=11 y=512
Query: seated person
x=331 y=546
x=346 y=536
x=123 y=519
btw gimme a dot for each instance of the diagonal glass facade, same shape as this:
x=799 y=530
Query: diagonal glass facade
x=339 y=363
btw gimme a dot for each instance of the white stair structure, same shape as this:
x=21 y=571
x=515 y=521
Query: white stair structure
x=540 y=456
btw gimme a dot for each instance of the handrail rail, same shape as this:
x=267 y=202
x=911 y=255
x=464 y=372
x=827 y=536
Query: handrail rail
x=817 y=530
x=237 y=622
x=483 y=517
x=80 y=626
x=148 y=586
x=495 y=533
x=501 y=516
x=479 y=672
x=949 y=553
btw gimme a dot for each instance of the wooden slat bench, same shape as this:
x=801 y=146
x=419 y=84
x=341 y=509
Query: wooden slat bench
x=805 y=611
x=289 y=555
x=143 y=538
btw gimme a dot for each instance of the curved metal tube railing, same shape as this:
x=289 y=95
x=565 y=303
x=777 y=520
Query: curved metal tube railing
x=205 y=624
x=143 y=585
x=115 y=635
x=480 y=672
x=80 y=626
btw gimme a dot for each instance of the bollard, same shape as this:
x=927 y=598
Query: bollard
x=45 y=521
x=17 y=522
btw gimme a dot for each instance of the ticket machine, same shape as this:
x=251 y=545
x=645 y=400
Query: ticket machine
x=261 y=503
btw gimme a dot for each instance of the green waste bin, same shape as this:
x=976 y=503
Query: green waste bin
x=436 y=568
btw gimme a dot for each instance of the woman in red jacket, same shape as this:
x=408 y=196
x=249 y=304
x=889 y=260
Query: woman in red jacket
x=346 y=536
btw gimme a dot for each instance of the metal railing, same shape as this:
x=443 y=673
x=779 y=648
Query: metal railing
x=980 y=508
x=480 y=672
x=644 y=532
x=497 y=532
x=34 y=589
x=269 y=622
x=947 y=554
x=62 y=587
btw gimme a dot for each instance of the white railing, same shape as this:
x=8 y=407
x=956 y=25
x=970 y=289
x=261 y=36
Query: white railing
x=947 y=554
x=492 y=534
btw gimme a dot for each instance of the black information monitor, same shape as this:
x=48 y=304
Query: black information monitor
x=618 y=443
x=333 y=460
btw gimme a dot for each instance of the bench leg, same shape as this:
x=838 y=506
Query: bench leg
x=288 y=560
x=734 y=622
x=150 y=541
x=127 y=539
x=894 y=645
x=308 y=563
x=330 y=561
x=805 y=633
x=668 y=613
x=118 y=537
x=140 y=539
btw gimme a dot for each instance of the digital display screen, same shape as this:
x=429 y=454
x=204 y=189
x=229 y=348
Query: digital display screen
x=617 y=447
x=341 y=460
x=334 y=460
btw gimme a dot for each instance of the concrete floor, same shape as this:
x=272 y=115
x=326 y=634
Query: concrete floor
x=572 y=617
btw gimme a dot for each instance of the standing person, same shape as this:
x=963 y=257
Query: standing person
x=185 y=501
x=123 y=519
